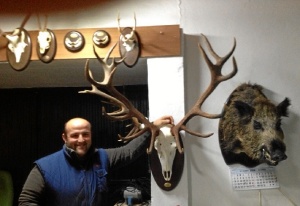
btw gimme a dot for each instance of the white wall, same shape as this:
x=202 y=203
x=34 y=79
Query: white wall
x=165 y=101
x=267 y=53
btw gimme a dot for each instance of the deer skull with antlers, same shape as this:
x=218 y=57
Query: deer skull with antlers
x=129 y=46
x=44 y=38
x=166 y=140
x=17 y=43
x=19 y=46
x=128 y=40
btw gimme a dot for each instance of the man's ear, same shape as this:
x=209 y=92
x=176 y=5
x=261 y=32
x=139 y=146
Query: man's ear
x=64 y=137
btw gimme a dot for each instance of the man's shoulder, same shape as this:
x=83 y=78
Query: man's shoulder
x=50 y=156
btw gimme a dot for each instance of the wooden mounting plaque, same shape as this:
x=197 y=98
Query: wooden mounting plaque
x=156 y=41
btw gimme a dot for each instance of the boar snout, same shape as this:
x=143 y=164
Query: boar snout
x=274 y=158
x=278 y=156
x=275 y=154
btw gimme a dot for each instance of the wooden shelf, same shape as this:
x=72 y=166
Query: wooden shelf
x=156 y=41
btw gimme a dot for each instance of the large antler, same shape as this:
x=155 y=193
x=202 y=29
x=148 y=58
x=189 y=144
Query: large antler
x=216 y=78
x=125 y=108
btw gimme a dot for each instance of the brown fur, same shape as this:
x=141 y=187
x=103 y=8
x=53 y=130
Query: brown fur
x=249 y=130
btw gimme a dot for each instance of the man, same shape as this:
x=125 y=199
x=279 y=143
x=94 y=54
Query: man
x=76 y=175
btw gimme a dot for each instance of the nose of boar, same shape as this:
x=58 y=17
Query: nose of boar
x=278 y=156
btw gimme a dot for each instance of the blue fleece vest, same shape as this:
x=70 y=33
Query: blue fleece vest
x=67 y=184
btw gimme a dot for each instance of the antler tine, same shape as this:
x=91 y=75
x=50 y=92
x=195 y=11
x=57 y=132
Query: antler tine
x=216 y=78
x=134 y=22
x=25 y=20
x=234 y=71
x=2 y=33
x=46 y=22
x=109 y=70
x=153 y=137
x=220 y=60
x=104 y=61
x=107 y=79
x=39 y=22
x=129 y=37
x=89 y=75
x=118 y=19
x=216 y=69
x=125 y=110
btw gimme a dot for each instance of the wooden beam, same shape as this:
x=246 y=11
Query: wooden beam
x=156 y=41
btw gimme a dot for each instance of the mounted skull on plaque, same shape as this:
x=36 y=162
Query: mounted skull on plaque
x=46 y=43
x=19 y=47
x=129 y=46
x=167 y=161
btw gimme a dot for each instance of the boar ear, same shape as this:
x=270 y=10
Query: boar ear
x=282 y=107
x=243 y=108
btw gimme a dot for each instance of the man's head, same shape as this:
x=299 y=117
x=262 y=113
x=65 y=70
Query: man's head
x=77 y=135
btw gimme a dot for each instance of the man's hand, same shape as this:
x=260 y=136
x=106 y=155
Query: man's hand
x=164 y=120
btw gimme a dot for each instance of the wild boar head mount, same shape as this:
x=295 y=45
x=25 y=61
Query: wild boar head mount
x=250 y=128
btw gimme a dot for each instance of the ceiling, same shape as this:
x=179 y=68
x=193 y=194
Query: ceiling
x=33 y=6
x=67 y=73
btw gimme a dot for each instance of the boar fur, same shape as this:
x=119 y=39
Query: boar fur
x=250 y=128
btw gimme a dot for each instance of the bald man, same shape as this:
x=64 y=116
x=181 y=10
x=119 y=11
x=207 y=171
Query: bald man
x=76 y=175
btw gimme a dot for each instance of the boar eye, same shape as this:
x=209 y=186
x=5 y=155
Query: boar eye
x=257 y=125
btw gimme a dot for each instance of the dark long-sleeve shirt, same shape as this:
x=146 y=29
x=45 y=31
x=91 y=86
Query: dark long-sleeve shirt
x=33 y=192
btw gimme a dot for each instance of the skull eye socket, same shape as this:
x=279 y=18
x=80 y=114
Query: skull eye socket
x=257 y=125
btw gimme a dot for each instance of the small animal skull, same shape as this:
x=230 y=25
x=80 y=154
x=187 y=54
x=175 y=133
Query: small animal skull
x=44 y=40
